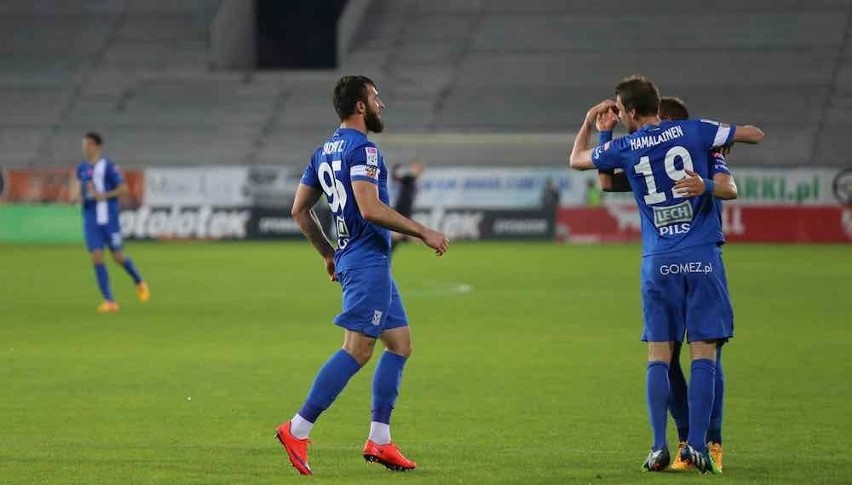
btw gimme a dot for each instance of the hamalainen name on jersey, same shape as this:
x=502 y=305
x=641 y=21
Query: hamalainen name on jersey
x=654 y=140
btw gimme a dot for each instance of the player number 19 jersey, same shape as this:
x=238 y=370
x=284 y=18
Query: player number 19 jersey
x=654 y=159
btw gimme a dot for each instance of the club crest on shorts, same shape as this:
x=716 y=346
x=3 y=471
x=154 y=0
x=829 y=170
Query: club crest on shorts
x=377 y=317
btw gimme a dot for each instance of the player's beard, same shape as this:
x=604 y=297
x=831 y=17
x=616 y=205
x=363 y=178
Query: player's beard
x=373 y=122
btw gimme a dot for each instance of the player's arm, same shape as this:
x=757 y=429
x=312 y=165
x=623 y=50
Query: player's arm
x=116 y=178
x=75 y=194
x=717 y=135
x=609 y=180
x=306 y=198
x=115 y=193
x=581 y=154
x=377 y=212
x=749 y=134
x=724 y=186
x=692 y=185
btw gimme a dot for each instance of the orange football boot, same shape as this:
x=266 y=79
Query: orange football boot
x=142 y=292
x=108 y=307
x=297 y=450
x=388 y=455
x=678 y=465
x=716 y=454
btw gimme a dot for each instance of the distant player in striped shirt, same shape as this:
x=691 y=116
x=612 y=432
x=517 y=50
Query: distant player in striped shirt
x=100 y=186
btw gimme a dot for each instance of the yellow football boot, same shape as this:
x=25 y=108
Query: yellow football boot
x=679 y=465
x=715 y=450
x=143 y=292
x=108 y=307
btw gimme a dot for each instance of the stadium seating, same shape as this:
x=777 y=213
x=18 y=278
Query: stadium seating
x=139 y=72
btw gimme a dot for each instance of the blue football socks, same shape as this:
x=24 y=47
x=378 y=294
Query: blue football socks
x=714 y=432
x=328 y=384
x=702 y=387
x=658 y=389
x=131 y=270
x=386 y=382
x=103 y=281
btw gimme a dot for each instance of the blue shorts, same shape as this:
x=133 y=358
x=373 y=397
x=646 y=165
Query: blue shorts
x=98 y=235
x=371 y=301
x=686 y=292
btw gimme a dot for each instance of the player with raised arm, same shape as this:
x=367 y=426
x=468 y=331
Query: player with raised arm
x=351 y=172
x=100 y=186
x=683 y=278
x=674 y=109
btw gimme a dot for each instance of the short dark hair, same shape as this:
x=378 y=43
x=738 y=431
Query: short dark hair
x=640 y=94
x=673 y=108
x=348 y=91
x=95 y=137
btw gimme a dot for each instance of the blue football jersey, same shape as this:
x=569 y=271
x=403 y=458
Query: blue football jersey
x=718 y=164
x=348 y=156
x=654 y=158
x=103 y=176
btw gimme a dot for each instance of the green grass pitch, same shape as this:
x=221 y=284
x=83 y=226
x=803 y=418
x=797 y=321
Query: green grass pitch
x=527 y=367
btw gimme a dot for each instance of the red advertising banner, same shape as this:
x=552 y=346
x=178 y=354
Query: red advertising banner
x=54 y=185
x=620 y=223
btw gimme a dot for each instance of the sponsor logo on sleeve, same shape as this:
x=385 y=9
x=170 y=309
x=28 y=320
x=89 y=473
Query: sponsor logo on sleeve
x=598 y=151
x=364 y=171
x=372 y=156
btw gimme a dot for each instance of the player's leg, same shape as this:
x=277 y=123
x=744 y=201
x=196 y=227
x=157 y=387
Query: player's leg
x=95 y=246
x=710 y=321
x=702 y=386
x=365 y=299
x=663 y=326
x=142 y=291
x=396 y=337
x=387 y=380
x=714 y=432
x=658 y=390
x=328 y=384
x=679 y=405
x=331 y=379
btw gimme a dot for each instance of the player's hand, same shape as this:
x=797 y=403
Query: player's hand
x=724 y=150
x=692 y=185
x=329 y=268
x=437 y=241
x=600 y=108
x=606 y=120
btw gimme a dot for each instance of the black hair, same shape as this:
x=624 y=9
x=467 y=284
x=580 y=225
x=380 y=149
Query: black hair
x=95 y=137
x=673 y=108
x=640 y=94
x=348 y=91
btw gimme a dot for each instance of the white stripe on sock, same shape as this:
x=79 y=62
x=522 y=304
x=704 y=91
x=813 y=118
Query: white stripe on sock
x=380 y=433
x=300 y=427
